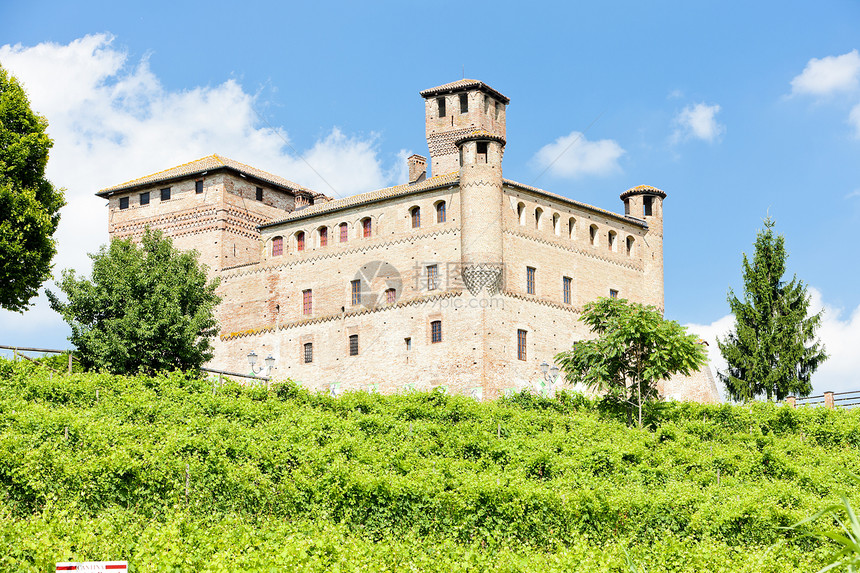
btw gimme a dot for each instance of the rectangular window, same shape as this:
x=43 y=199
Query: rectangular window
x=198 y=186
x=565 y=287
x=441 y=213
x=627 y=206
x=464 y=103
x=165 y=194
x=432 y=277
x=482 y=152
x=356 y=292
x=323 y=236
x=277 y=246
x=530 y=280
x=440 y=101
x=353 y=345
x=521 y=344
x=390 y=296
x=344 y=233
x=300 y=242
x=646 y=203
x=307 y=301
x=436 y=331
x=613 y=293
x=259 y=193
x=144 y=198
x=309 y=352
x=366 y=228
x=408 y=343
x=123 y=202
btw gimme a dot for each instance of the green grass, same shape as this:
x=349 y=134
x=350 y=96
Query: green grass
x=288 y=480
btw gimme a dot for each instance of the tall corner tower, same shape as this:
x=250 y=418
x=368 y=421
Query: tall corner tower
x=646 y=203
x=455 y=110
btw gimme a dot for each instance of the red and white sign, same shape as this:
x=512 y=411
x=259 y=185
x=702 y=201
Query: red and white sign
x=94 y=566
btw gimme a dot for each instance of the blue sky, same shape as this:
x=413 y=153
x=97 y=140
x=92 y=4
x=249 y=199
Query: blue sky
x=736 y=110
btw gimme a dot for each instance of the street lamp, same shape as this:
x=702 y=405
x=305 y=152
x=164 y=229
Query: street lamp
x=549 y=374
x=270 y=363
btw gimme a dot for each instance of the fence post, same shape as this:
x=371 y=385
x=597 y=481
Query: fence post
x=791 y=401
x=828 y=401
x=70 y=361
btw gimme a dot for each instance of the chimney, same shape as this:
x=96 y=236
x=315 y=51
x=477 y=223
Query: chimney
x=417 y=168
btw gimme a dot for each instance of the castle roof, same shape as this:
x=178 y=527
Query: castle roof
x=210 y=163
x=464 y=84
x=369 y=197
x=477 y=135
x=643 y=190
x=437 y=182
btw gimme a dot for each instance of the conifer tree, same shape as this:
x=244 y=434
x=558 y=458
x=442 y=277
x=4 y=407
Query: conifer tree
x=772 y=350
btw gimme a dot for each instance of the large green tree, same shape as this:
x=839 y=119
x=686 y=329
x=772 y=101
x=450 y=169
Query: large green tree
x=772 y=350
x=147 y=308
x=634 y=349
x=29 y=203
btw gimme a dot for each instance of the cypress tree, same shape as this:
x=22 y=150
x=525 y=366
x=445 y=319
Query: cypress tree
x=772 y=350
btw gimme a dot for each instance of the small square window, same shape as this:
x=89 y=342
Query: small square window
x=309 y=352
x=144 y=198
x=123 y=202
x=436 y=331
x=198 y=186
x=353 y=345
x=165 y=194
x=259 y=193
x=613 y=293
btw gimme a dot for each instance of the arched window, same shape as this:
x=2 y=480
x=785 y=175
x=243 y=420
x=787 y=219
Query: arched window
x=300 y=241
x=592 y=232
x=611 y=240
x=366 y=227
x=277 y=246
x=344 y=232
x=556 y=224
x=630 y=246
x=323 y=235
x=441 y=214
x=538 y=214
x=416 y=217
x=571 y=228
x=521 y=213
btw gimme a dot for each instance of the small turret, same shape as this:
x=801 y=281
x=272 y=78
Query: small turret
x=646 y=203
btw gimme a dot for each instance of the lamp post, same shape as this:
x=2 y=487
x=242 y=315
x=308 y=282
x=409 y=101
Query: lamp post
x=549 y=374
x=270 y=363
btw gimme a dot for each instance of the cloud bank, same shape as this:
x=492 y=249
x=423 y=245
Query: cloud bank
x=572 y=156
x=826 y=76
x=112 y=120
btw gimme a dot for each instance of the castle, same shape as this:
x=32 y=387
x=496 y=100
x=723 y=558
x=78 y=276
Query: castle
x=458 y=278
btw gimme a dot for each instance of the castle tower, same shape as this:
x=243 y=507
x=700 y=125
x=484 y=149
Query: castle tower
x=455 y=110
x=646 y=203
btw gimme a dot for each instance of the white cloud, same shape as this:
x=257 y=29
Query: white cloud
x=855 y=193
x=854 y=119
x=828 y=75
x=112 y=120
x=573 y=156
x=840 y=333
x=698 y=121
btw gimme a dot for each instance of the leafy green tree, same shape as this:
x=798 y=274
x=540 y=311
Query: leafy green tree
x=772 y=350
x=634 y=349
x=147 y=308
x=29 y=203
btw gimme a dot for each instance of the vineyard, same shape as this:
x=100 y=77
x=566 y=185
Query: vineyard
x=175 y=473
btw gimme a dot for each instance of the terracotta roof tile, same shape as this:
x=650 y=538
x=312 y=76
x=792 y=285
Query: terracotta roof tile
x=207 y=164
x=463 y=85
x=639 y=189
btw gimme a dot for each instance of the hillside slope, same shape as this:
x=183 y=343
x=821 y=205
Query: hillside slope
x=287 y=480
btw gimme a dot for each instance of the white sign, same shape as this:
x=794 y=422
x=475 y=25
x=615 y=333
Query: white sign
x=94 y=566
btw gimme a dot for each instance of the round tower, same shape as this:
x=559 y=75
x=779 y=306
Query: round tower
x=646 y=203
